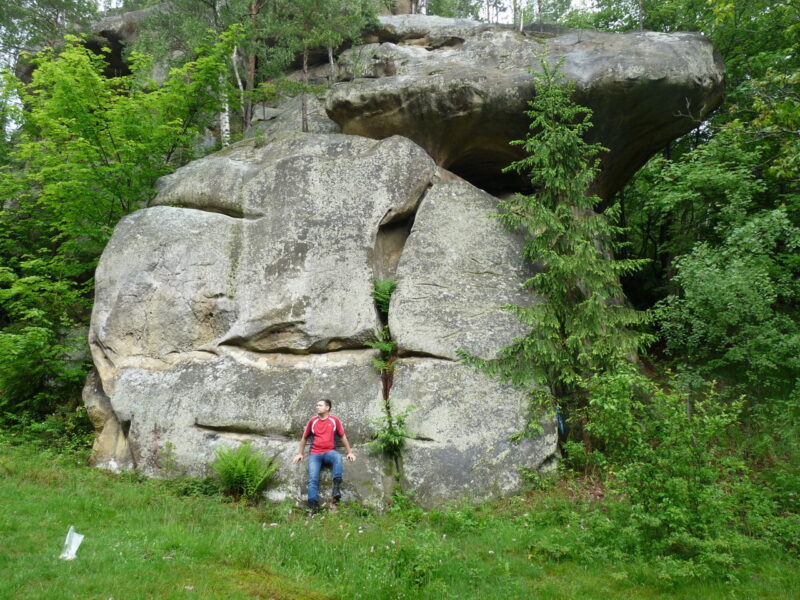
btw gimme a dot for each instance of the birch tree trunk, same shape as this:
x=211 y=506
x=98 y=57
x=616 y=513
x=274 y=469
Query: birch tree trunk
x=225 y=115
x=304 y=98
x=332 y=65
x=239 y=84
x=224 y=120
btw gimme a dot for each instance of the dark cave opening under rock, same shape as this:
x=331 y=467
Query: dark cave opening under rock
x=483 y=168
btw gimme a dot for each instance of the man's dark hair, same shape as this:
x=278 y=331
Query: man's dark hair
x=326 y=401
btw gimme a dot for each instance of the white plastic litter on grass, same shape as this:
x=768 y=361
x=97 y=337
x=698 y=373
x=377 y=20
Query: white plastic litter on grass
x=71 y=544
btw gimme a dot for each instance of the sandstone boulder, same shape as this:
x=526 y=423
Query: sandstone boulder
x=462 y=422
x=225 y=311
x=178 y=418
x=291 y=270
x=269 y=121
x=457 y=269
x=459 y=88
x=244 y=294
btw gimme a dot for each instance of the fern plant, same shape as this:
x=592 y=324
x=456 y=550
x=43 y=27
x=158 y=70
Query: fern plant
x=243 y=471
x=386 y=346
x=382 y=293
x=390 y=435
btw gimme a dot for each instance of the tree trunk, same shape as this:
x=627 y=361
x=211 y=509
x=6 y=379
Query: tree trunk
x=225 y=115
x=332 y=64
x=304 y=99
x=250 y=72
x=240 y=85
x=225 y=125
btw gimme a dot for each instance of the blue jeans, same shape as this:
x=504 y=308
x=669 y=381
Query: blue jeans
x=315 y=464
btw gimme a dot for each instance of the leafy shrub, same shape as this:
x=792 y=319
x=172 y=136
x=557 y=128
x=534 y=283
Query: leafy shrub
x=66 y=430
x=736 y=315
x=243 y=471
x=684 y=493
x=42 y=351
x=63 y=191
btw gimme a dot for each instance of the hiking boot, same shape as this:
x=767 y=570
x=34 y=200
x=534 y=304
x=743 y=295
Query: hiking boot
x=337 y=489
x=313 y=506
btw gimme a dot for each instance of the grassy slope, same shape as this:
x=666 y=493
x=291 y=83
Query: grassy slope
x=143 y=541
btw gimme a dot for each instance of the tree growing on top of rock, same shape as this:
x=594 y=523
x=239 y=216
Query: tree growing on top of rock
x=274 y=35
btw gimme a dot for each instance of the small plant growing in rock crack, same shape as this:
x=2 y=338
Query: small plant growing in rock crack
x=243 y=471
x=390 y=434
x=387 y=346
x=382 y=293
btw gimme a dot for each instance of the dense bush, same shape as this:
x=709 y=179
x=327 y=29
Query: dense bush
x=88 y=151
x=736 y=314
x=679 y=488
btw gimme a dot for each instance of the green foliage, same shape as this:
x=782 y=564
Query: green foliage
x=27 y=25
x=382 y=293
x=89 y=151
x=736 y=315
x=66 y=430
x=687 y=494
x=464 y=9
x=390 y=434
x=243 y=471
x=387 y=348
x=582 y=325
x=524 y=546
x=273 y=34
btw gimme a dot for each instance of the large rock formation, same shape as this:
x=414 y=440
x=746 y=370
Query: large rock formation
x=244 y=294
x=223 y=312
x=459 y=88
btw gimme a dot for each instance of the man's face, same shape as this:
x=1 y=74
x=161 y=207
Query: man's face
x=322 y=408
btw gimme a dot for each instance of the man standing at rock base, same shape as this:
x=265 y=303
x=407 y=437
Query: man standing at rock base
x=323 y=430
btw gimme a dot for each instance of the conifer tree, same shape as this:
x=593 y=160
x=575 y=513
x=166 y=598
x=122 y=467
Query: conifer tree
x=579 y=324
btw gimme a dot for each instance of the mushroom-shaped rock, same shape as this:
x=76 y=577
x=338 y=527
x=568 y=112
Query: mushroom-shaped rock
x=459 y=88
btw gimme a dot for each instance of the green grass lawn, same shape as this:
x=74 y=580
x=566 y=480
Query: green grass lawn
x=143 y=540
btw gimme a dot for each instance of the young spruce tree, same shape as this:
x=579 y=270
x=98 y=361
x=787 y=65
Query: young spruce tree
x=581 y=325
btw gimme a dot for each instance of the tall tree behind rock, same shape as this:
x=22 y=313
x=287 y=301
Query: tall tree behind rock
x=309 y=24
x=274 y=33
x=28 y=25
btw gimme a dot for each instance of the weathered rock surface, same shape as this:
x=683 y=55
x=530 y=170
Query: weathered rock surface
x=458 y=88
x=292 y=271
x=268 y=121
x=458 y=268
x=223 y=313
x=110 y=447
x=179 y=417
x=462 y=423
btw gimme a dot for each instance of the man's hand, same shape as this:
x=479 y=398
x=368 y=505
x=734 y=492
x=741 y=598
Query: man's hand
x=298 y=457
x=351 y=457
